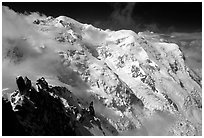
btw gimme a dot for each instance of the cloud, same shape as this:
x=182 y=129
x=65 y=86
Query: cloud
x=120 y=18
x=25 y=50
x=122 y=13
x=124 y=16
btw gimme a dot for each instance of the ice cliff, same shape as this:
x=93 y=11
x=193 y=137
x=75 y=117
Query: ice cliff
x=139 y=84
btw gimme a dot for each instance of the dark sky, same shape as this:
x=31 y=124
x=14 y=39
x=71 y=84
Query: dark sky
x=167 y=16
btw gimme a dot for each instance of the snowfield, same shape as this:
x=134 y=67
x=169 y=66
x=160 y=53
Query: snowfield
x=139 y=84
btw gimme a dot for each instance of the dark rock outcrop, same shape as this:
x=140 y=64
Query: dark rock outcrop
x=21 y=84
x=42 y=112
x=91 y=109
x=10 y=123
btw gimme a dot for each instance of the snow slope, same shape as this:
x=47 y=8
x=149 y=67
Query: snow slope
x=139 y=83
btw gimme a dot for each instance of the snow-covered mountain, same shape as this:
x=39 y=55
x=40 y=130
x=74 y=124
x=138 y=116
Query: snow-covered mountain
x=138 y=82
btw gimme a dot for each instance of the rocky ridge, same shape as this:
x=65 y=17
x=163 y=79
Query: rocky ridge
x=45 y=112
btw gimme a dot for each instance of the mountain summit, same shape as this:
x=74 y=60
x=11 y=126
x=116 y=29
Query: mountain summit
x=98 y=82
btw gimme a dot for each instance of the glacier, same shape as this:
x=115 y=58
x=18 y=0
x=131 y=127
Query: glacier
x=139 y=83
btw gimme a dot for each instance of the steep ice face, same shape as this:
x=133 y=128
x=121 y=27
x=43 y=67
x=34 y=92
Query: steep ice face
x=135 y=80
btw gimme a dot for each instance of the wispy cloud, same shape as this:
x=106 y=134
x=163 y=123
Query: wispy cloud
x=122 y=13
x=27 y=51
x=22 y=52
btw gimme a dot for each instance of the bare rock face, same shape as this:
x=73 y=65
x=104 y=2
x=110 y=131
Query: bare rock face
x=10 y=123
x=139 y=85
x=43 y=112
x=39 y=112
